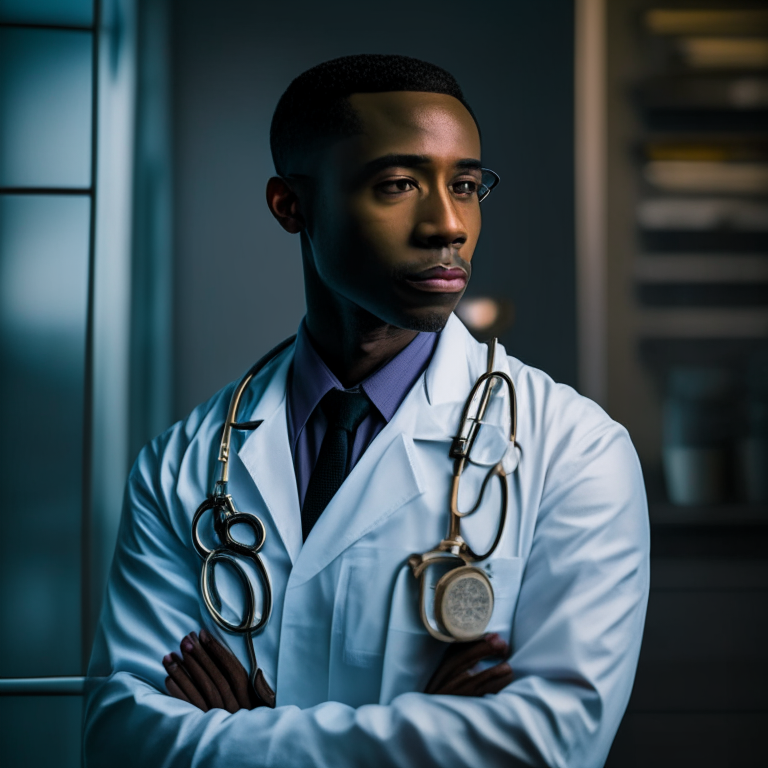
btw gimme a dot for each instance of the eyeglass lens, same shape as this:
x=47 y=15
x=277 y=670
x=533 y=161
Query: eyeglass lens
x=488 y=181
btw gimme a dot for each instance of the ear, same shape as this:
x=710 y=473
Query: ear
x=284 y=204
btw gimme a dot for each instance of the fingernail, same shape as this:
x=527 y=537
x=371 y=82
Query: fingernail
x=496 y=642
x=193 y=637
x=204 y=636
x=187 y=645
x=167 y=659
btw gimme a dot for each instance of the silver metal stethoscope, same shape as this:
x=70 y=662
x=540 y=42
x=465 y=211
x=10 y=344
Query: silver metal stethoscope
x=463 y=601
x=463 y=595
x=225 y=517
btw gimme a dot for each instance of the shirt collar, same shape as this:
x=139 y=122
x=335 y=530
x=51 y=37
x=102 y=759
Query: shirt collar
x=386 y=387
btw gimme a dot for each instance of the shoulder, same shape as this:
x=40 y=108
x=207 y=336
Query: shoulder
x=567 y=437
x=162 y=469
x=185 y=454
x=557 y=412
x=580 y=469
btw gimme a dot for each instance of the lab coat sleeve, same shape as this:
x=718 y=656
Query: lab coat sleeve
x=576 y=639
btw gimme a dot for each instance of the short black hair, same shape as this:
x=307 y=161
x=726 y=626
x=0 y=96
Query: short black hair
x=315 y=110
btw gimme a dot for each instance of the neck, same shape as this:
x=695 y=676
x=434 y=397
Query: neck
x=352 y=342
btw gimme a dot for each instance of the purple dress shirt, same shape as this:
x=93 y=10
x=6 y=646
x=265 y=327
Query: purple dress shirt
x=310 y=379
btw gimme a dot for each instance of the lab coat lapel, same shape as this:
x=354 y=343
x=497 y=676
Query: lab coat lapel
x=389 y=474
x=266 y=454
x=386 y=477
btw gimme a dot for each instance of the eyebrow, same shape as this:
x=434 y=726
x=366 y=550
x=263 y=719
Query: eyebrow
x=410 y=161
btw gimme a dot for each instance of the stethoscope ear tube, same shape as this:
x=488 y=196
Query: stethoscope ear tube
x=231 y=420
x=495 y=471
x=225 y=516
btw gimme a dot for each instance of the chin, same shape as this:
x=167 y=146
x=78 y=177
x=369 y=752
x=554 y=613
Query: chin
x=429 y=322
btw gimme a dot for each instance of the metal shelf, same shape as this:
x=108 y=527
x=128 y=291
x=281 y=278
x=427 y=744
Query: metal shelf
x=42 y=686
x=702 y=323
x=730 y=515
x=701 y=269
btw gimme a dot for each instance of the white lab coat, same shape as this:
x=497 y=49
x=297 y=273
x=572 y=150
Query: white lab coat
x=345 y=649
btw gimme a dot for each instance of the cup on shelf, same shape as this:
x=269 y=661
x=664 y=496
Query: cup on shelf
x=698 y=433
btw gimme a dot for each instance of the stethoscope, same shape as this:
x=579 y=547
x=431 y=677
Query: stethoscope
x=463 y=596
x=225 y=517
x=463 y=601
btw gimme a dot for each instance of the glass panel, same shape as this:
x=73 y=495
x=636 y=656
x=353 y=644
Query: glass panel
x=77 y=12
x=43 y=299
x=40 y=731
x=45 y=101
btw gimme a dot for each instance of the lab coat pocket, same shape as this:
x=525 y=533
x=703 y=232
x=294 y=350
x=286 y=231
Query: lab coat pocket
x=505 y=574
x=357 y=636
x=411 y=653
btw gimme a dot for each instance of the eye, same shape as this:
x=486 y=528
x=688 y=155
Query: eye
x=465 y=187
x=396 y=186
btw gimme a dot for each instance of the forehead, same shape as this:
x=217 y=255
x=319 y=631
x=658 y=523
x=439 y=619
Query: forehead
x=431 y=124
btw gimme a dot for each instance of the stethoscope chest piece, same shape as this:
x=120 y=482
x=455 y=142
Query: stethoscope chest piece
x=464 y=602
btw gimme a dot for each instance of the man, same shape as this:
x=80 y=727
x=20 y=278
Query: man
x=379 y=172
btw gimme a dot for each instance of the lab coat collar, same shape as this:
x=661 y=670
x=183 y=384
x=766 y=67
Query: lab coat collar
x=388 y=475
x=456 y=364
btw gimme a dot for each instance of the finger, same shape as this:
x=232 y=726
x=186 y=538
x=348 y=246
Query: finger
x=491 y=680
x=492 y=639
x=202 y=682
x=464 y=656
x=497 y=683
x=461 y=657
x=179 y=676
x=448 y=665
x=174 y=690
x=231 y=668
x=187 y=681
x=193 y=651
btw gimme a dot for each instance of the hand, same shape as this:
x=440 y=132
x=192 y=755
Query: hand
x=453 y=676
x=210 y=676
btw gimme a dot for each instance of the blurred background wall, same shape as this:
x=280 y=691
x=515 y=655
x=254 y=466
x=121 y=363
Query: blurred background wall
x=625 y=253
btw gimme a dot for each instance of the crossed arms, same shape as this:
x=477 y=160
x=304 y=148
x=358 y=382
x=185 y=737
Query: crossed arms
x=209 y=676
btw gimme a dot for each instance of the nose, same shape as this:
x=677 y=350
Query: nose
x=440 y=223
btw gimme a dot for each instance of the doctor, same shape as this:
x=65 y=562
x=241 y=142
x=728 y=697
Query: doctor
x=378 y=161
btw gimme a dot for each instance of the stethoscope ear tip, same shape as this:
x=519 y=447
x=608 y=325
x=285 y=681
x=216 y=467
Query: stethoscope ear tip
x=511 y=460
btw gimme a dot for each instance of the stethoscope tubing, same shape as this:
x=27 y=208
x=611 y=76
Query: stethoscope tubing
x=226 y=515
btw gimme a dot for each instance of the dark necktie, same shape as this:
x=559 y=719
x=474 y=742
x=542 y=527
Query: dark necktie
x=344 y=412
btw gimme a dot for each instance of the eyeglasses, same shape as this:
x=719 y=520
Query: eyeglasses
x=489 y=180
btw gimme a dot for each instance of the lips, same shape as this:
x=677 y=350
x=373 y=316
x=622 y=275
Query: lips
x=439 y=280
